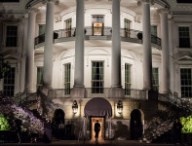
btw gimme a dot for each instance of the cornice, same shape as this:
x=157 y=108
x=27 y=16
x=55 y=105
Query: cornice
x=31 y=3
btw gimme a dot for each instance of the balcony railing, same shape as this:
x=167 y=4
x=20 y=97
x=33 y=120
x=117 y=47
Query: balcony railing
x=133 y=93
x=98 y=32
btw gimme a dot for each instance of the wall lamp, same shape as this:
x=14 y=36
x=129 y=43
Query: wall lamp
x=75 y=107
x=120 y=107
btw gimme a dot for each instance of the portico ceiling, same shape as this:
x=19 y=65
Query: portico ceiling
x=131 y=4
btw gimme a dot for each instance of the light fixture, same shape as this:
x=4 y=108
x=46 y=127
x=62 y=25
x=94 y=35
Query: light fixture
x=75 y=107
x=119 y=107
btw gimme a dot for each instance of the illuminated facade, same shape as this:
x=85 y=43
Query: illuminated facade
x=124 y=52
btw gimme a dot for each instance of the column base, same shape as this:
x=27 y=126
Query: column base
x=115 y=92
x=78 y=92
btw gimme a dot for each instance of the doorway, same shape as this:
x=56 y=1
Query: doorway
x=101 y=121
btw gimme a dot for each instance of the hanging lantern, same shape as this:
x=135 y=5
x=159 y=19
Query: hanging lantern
x=119 y=107
x=75 y=107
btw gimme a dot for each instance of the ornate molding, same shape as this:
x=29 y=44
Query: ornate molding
x=163 y=11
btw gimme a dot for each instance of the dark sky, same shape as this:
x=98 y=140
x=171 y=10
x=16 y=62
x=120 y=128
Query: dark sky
x=184 y=1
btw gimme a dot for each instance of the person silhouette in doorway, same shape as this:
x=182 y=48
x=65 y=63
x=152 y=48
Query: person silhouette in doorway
x=97 y=129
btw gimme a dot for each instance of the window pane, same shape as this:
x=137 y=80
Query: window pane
x=39 y=77
x=155 y=79
x=127 y=79
x=98 y=24
x=41 y=29
x=11 y=36
x=68 y=26
x=67 y=78
x=186 y=82
x=9 y=83
x=154 y=30
x=184 y=37
x=97 y=77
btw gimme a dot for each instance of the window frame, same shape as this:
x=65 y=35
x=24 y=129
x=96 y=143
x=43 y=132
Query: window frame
x=155 y=81
x=94 y=18
x=186 y=81
x=129 y=83
x=180 y=44
x=68 y=26
x=39 y=83
x=100 y=89
x=67 y=78
x=127 y=32
x=5 y=34
x=10 y=84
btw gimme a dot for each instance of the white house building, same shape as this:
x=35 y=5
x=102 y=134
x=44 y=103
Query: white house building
x=111 y=57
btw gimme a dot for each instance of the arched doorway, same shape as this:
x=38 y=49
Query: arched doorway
x=98 y=110
x=136 y=125
x=58 y=122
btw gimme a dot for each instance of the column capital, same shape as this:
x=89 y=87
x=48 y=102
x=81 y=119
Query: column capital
x=53 y=1
x=163 y=11
x=32 y=10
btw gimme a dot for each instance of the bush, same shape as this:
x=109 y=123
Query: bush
x=4 y=124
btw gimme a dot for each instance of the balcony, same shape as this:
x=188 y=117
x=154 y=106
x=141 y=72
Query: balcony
x=127 y=35
x=134 y=94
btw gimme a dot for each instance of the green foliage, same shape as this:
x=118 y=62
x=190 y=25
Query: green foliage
x=4 y=124
x=187 y=124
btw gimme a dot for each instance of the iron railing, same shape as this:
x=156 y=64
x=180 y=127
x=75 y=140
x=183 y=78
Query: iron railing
x=105 y=31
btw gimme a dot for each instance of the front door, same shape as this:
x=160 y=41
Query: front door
x=100 y=120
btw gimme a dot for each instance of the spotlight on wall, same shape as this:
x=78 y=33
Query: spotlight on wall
x=120 y=107
x=75 y=107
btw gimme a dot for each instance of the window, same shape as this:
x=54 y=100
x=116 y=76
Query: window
x=9 y=83
x=186 y=82
x=39 y=77
x=41 y=29
x=154 y=34
x=127 y=79
x=68 y=24
x=127 y=26
x=155 y=79
x=97 y=76
x=11 y=36
x=184 y=37
x=67 y=78
x=154 y=30
x=98 y=24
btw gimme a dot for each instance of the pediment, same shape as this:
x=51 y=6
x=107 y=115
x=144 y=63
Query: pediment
x=185 y=58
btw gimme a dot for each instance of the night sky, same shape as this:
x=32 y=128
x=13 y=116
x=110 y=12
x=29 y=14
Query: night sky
x=184 y=1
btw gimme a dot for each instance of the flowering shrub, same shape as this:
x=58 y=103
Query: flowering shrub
x=29 y=121
x=187 y=124
x=4 y=124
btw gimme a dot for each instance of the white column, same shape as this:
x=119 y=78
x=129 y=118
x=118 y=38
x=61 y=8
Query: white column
x=147 y=53
x=30 y=51
x=79 y=45
x=116 y=87
x=171 y=61
x=23 y=54
x=48 y=50
x=116 y=46
x=164 y=86
x=79 y=89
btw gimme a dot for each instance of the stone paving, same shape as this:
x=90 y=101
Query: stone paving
x=91 y=143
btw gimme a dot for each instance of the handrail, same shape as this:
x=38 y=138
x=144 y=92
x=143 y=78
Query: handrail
x=105 y=31
x=104 y=92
